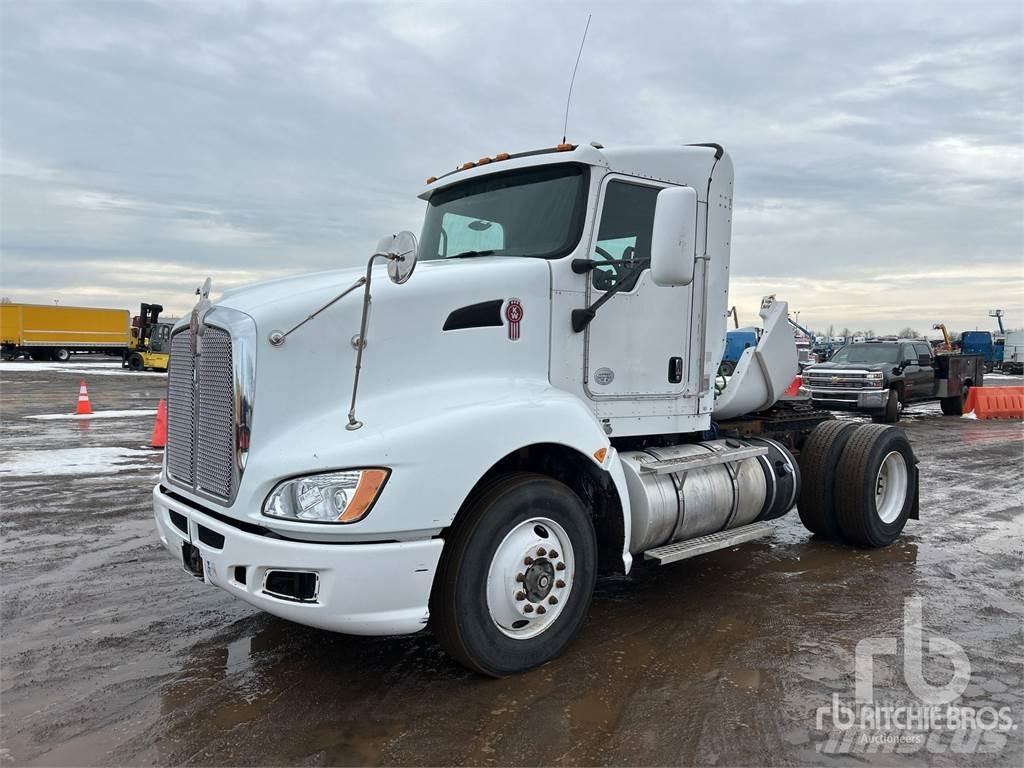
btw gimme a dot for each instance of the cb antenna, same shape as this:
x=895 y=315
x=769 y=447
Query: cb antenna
x=568 y=98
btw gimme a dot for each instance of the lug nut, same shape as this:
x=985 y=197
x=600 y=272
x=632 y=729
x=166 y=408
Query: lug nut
x=541 y=609
x=520 y=595
x=552 y=554
x=559 y=583
x=552 y=600
x=520 y=578
x=560 y=567
x=541 y=552
x=528 y=561
x=528 y=608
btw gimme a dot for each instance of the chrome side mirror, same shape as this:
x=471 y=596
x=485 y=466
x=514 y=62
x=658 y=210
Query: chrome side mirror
x=400 y=251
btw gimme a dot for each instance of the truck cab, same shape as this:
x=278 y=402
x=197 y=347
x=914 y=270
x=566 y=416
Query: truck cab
x=525 y=396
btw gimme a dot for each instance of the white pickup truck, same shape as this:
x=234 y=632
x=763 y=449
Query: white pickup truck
x=468 y=430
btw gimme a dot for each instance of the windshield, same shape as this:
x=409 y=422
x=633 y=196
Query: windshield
x=532 y=212
x=867 y=353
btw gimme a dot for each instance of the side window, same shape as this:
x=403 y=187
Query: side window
x=460 y=234
x=627 y=221
x=907 y=352
x=922 y=349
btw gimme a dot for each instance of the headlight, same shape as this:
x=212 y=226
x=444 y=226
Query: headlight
x=331 y=497
x=875 y=376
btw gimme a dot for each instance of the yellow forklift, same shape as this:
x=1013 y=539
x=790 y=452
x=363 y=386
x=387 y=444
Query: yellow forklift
x=150 y=345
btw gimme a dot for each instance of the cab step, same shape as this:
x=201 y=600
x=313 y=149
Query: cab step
x=686 y=463
x=681 y=550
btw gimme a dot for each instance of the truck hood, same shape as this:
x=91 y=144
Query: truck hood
x=850 y=367
x=409 y=356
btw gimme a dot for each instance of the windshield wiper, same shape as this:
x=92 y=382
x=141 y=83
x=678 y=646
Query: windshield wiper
x=470 y=254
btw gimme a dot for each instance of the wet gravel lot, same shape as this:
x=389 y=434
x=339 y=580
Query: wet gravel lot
x=112 y=655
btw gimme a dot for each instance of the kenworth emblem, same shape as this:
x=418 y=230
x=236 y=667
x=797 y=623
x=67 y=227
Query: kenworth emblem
x=514 y=315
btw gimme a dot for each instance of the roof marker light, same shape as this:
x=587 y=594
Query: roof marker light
x=501 y=156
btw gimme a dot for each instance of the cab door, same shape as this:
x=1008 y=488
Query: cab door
x=925 y=384
x=637 y=344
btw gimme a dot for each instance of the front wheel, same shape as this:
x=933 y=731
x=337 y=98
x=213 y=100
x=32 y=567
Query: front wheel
x=516 y=577
x=891 y=413
x=135 y=362
x=62 y=355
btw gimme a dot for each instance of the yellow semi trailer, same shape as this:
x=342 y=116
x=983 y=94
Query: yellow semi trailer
x=46 y=332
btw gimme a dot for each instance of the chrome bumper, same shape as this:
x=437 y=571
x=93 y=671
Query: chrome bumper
x=853 y=399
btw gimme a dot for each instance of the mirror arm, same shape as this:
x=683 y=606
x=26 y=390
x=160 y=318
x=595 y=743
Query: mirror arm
x=360 y=341
x=581 y=317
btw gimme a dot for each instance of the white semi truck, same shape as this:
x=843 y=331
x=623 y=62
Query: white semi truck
x=526 y=397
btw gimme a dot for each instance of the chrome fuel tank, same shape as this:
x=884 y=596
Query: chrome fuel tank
x=679 y=505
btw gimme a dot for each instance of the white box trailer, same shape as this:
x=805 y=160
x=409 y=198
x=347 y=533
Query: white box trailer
x=532 y=399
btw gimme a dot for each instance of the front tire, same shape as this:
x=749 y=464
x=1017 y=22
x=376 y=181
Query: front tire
x=62 y=355
x=516 y=577
x=727 y=368
x=891 y=413
x=875 y=485
x=135 y=362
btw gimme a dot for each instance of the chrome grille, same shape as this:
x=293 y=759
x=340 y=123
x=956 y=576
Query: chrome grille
x=209 y=405
x=180 y=409
x=215 y=444
x=837 y=381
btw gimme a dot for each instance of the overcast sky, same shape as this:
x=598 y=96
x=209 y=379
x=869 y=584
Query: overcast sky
x=879 y=147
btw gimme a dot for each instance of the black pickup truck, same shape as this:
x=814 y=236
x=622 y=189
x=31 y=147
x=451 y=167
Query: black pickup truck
x=883 y=377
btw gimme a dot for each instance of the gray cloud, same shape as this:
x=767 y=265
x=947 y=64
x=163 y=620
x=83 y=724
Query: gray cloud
x=878 y=147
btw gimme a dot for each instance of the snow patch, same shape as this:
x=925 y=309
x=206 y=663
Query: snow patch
x=77 y=461
x=95 y=415
x=93 y=369
x=970 y=415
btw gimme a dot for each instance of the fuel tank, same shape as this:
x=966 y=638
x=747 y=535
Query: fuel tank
x=679 y=505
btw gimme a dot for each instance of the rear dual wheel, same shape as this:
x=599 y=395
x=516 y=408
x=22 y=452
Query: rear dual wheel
x=859 y=482
x=954 y=406
x=516 y=577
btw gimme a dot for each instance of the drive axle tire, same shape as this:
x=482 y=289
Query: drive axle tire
x=516 y=576
x=875 y=485
x=818 y=459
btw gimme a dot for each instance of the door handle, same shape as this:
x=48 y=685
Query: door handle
x=675 y=370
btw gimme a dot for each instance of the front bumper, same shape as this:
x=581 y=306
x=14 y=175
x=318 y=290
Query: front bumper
x=364 y=589
x=850 y=399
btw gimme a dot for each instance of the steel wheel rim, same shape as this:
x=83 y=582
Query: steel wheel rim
x=530 y=578
x=891 y=484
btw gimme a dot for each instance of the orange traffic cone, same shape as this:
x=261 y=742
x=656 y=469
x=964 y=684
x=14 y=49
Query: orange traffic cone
x=159 y=439
x=84 y=409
